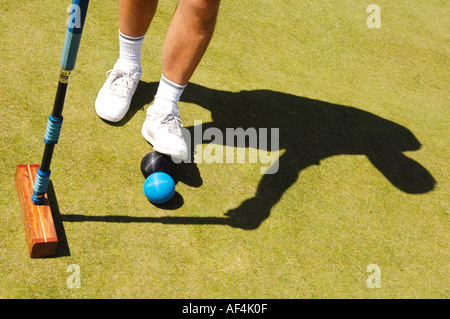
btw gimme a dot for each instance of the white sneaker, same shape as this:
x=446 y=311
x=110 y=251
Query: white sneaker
x=162 y=129
x=114 y=98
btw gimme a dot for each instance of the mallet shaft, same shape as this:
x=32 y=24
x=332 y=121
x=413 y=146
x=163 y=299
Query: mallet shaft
x=75 y=24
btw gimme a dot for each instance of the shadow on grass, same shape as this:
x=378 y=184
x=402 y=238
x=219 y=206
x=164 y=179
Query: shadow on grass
x=175 y=220
x=309 y=131
x=62 y=250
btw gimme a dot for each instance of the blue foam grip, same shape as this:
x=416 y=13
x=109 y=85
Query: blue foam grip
x=75 y=24
x=40 y=187
x=53 y=130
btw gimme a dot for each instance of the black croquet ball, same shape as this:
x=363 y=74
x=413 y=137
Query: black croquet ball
x=155 y=162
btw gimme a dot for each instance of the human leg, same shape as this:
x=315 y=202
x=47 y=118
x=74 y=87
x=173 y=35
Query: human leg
x=187 y=39
x=114 y=98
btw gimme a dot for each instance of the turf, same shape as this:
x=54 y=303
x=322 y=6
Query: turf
x=363 y=177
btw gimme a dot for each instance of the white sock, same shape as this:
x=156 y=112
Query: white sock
x=130 y=48
x=168 y=91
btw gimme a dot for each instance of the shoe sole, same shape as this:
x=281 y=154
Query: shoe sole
x=166 y=151
x=107 y=117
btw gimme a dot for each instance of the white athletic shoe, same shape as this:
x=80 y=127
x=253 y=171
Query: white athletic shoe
x=162 y=129
x=114 y=98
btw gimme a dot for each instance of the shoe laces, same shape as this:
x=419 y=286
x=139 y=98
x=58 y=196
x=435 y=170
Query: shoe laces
x=172 y=122
x=120 y=83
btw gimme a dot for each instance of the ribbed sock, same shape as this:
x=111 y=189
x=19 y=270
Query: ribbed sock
x=167 y=96
x=169 y=90
x=130 y=48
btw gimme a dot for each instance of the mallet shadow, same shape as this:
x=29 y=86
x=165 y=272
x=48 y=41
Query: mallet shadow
x=173 y=220
x=62 y=250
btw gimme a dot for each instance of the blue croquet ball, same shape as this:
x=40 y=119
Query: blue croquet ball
x=159 y=187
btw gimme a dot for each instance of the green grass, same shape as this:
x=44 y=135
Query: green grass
x=348 y=100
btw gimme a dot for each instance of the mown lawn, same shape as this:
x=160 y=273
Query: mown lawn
x=363 y=156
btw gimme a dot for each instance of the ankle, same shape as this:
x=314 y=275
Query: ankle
x=164 y=106
x=168 y=90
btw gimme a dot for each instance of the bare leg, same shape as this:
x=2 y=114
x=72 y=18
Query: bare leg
x=187 y=39
x=135 y=16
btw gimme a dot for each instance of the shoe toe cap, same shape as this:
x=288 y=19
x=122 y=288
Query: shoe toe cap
x=171 y=144
x=110 y=108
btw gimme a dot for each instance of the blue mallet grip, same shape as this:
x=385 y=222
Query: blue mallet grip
x=75 y=23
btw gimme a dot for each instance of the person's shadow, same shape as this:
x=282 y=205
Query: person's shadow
x=309 y=131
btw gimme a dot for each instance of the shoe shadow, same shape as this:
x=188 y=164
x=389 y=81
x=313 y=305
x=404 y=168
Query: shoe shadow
x=309 y=131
